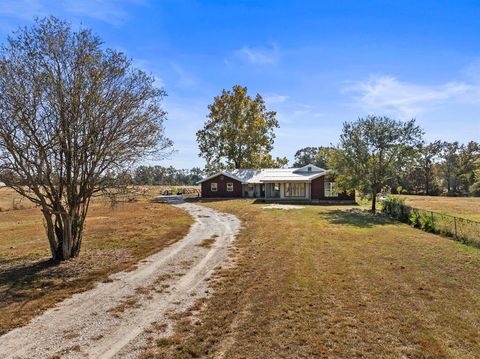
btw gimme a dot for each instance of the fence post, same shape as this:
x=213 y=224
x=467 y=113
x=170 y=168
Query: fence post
x=455 y=223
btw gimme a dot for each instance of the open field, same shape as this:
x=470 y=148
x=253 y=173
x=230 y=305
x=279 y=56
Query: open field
x=114 y=240
x=10 y=200
x=334 y=282
x=465 y=207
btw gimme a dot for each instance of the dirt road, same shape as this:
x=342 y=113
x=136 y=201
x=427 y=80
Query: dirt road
x=113 y=319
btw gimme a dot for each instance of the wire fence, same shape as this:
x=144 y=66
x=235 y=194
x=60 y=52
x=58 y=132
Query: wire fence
x=461 y=229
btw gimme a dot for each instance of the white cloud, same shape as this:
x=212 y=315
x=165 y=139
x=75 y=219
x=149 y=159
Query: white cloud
x=259 y=55
x=113 y=12
x=386 y=93
x=184 y=79
x=298 y=114
x=275 y=98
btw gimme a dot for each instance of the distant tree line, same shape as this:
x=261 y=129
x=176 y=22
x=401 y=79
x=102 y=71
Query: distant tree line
x=441 y=168
x=159 y=175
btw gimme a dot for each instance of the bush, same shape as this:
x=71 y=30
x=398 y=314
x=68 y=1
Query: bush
x=422 y=220
x=459 y=228
x=395 y=207
x=475 y=189
x=427 y=223
x=415 y=220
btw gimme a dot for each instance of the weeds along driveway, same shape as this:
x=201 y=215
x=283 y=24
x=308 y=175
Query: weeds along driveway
x=114 y=318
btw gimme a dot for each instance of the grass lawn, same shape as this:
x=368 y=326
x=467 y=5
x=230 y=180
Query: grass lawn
x=114 y=240
x=465 y=207
x=331 y=282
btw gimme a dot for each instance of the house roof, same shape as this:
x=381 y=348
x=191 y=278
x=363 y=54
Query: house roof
x=303 y=174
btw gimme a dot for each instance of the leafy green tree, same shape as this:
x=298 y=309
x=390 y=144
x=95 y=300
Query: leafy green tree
x=475 y=187
x=428 y=157
x=267 y=161
x=73 y=117
x=372 y=151
x=459 y=166
x=419 y=174
x=317 y=156
x=469 y=157
x=450 y=166
x=239 y=132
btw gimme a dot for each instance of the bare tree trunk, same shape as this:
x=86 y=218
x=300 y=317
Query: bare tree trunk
x=67 y=242
x=50 y=228
x=374 y=201
x=64 y=234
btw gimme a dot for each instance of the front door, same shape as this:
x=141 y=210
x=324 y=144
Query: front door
x=262 y=190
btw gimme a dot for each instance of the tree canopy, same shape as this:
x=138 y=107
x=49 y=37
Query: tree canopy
x=449 y=168
x=72 y=115
x=239 y=132
x=317 y=156
x=372 y=151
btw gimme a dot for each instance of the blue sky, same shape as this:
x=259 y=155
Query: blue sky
x=317 y=63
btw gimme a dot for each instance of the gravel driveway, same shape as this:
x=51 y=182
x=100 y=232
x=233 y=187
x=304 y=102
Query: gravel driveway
x=113 y=319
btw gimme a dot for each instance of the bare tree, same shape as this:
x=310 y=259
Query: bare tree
x=71 y=114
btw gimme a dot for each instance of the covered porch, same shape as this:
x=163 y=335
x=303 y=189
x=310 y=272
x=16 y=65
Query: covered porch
x=290 y=191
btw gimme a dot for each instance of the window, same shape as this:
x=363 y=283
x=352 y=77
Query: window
x=295 y=190
x=229 y=187
x=331 y=189
x=276 y=187
x=213 y=186
x=309 y=169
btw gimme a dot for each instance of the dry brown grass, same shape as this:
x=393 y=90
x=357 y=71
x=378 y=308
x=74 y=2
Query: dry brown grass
x=114 y=240
x=465 y=207
x=331 y=282
x=208 y=242
x=11 y=200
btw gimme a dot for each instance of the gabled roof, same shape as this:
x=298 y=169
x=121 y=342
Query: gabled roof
x=263 y=175
x=309 y=168
x=239 y=175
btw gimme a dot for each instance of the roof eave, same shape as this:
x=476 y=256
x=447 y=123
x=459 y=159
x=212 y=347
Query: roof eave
x=224 y=173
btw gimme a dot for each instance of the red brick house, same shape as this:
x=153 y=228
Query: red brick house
x=307 y=184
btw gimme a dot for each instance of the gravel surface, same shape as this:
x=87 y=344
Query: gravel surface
x=114 y=319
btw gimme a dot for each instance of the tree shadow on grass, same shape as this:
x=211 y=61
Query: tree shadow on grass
x=16 y=278
x=22 y=282
x=356 y=218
